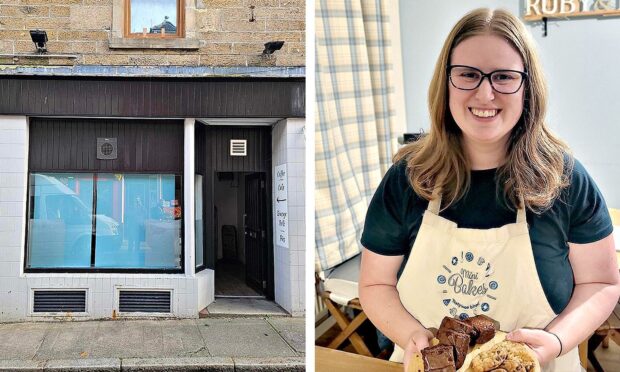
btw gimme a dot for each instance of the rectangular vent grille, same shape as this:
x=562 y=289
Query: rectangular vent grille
x=238 y=147
x=59 y=301
x=144 y=302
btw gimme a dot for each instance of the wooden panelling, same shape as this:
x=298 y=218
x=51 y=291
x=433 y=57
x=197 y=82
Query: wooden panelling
x=71 y=145
x=141 y=97
x=258 y=148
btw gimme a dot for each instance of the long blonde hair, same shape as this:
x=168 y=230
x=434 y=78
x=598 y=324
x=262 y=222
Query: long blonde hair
x=537 y=165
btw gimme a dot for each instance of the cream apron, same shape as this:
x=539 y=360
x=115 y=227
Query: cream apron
x=463 y=272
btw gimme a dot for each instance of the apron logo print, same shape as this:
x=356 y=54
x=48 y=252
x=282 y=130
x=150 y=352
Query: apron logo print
x=465 y=284
x=469 y=257
x=489 y=270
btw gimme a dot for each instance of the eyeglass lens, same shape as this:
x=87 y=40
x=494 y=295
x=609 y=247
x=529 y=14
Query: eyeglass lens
x=503 y=81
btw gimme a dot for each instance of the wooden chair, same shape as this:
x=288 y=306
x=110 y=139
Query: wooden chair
x=348 y=328
x=610 y=329
x=338 y=290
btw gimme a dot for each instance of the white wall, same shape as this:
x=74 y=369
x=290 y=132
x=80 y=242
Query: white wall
x=580 y=57
x=13 y=180
x=288 y=147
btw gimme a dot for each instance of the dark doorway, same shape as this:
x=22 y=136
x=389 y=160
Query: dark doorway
x=255 y=231
x=240 y=231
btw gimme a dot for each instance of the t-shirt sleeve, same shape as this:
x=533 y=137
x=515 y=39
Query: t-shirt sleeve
x=385 y=230
x=589 y=216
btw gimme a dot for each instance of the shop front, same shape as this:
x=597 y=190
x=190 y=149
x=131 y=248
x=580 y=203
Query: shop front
x=146 y=197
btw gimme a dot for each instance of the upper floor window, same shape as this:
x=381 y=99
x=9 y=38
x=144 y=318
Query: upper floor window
x=154 y=18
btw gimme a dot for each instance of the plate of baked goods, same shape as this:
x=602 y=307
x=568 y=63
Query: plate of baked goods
x=473 y=345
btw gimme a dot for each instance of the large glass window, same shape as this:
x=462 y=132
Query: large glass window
x=136 y=221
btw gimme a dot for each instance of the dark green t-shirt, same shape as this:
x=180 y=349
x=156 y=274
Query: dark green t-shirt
x=578 y=215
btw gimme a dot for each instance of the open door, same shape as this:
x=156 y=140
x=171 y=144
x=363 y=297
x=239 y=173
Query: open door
x=255 y=232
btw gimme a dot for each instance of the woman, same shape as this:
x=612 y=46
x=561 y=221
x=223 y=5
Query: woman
x=515 y=228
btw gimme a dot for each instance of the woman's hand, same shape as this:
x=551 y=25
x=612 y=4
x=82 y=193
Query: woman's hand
x=545 y=345
x=417 y=341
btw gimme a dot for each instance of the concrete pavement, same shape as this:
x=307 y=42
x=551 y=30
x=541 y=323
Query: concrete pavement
x=210 y=344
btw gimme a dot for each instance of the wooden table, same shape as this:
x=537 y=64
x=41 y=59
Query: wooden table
x=328 y=360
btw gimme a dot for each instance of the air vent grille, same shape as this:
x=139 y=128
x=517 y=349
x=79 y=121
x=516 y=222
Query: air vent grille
x=238 y=147
x=144 y=301
x=46 y=301
x=107 y=148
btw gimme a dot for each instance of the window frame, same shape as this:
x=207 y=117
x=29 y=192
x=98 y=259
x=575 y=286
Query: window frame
x=180 y=270
x=180 y=24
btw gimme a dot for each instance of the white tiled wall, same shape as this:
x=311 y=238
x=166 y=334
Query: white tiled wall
x=288 y=147
x=13 y=164
x=16 y=287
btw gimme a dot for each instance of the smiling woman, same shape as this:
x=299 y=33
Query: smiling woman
x=489 y=213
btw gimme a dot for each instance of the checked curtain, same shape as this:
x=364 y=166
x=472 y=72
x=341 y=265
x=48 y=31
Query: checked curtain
x=356 y=134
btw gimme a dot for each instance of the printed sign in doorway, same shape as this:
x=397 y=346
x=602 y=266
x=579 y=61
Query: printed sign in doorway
x=281 y=232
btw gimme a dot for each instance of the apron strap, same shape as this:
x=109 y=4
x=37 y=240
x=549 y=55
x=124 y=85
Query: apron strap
x=435 y=203
x=521 y=218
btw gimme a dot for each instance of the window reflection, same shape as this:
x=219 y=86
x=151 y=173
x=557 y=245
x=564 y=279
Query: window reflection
x=137 y=222
x=149 y=208
x=199 y=234
x=153 y=16
x=60 y=224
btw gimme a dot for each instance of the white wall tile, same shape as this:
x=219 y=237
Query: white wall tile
x=12 y=136
x=13 y=165
x=12 y=150
x=8 y=179
x=12 y=194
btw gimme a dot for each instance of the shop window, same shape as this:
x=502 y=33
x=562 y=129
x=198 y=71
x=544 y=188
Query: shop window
x=136 y=220
x=199 y=248
x=154 y=18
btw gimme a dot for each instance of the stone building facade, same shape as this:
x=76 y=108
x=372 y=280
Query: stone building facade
x=224 y=33
x=141 y=173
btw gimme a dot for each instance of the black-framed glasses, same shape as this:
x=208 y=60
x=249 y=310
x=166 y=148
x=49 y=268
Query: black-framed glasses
x=502 y=81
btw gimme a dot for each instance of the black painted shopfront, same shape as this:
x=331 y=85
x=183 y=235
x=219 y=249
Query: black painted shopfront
x=114 y=209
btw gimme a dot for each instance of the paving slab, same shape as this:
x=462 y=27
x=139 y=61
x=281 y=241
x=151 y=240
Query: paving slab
x=244 y=307
x=214 y=364
x=270 y=364
x=211 y=344
x=148 y=339
x=91 y=365
x=243 y=337
x=21 y=340
x=21 y=365
x=292 y=330
x=69 y=340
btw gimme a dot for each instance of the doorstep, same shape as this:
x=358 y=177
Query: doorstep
x=244 y=307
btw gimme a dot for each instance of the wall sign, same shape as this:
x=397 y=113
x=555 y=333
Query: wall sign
x=281 y=184
x=536 y=10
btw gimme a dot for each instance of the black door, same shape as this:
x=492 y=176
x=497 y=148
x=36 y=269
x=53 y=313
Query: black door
x=255 y=231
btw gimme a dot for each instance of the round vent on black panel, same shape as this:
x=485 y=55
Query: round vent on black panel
x=106 y=148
